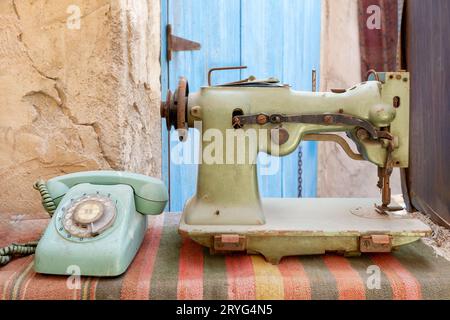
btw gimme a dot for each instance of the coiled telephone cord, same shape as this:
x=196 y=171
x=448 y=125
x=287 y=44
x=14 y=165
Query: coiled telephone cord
x=7 y=253
x=47 y=201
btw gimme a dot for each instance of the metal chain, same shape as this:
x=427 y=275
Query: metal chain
x=300 y=171
x=300 y=149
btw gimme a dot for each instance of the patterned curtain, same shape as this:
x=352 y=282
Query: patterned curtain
x=380 y=32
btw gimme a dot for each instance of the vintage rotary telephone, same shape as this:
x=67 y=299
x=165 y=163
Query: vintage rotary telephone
x=99 y=219
x=227 y=213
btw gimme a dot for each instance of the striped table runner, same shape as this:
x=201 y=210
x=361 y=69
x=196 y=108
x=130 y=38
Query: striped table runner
x=168 y=267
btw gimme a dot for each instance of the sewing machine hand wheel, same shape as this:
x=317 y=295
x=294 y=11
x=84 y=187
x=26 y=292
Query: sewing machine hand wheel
x=174 y=109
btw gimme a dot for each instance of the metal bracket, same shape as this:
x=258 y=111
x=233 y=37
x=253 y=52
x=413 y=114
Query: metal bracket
x=229 y=243
x=337 y=139
x=210 y=72
x=175 y=43
x=375 y=244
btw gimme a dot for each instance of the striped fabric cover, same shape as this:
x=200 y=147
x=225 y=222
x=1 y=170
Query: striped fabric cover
x=168 y=267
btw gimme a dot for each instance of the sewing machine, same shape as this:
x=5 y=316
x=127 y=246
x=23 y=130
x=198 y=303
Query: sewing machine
x=227 y=213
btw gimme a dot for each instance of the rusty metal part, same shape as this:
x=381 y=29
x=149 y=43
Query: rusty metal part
x=337 y=139
x=386 y=210
x=168 y=110
x=362 y=134
x=174 y=109
x=262 y=119
x=224 y=68
x=384 y=175
x=236 y=123
x=396 y=102
x=386 y=188
x=320 y=119
x=375 y=244
x=175 y=43
x=229 y=243
x=279 y=136
x=181 y=96
x=314 y=80
x=375 y=74
x=328 y=119
x=339 y=90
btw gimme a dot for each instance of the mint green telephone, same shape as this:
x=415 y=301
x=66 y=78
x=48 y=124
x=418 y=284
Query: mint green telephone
x=99 y=219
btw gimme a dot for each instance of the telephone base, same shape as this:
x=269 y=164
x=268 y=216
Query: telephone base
x=107 y=254
x=309 y=227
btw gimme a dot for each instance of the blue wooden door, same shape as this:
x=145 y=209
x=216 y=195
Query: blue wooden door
x=279 y=38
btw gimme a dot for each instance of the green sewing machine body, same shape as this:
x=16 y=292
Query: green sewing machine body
x=371 y=101
x=227 y=212
x=99 y=221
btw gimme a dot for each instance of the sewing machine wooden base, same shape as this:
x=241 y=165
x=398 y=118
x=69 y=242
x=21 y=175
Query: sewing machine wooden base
x=312 y=226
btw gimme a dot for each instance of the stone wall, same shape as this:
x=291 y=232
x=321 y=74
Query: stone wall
x=76 y=94
x=338 y=175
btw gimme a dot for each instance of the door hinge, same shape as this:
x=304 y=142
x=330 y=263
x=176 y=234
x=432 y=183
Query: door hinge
x=229 y=243
x=175 y=43
x=375 y=243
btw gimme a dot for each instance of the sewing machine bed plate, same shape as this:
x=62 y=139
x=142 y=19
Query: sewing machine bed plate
x=313 y=226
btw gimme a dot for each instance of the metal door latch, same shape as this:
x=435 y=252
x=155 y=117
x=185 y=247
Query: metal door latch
x=375 y=243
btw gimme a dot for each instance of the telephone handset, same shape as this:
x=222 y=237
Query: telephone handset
x=150 y=193
x=99 y=219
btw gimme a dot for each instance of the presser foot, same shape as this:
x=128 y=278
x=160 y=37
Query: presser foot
x=385 y=210
x=293 y=227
